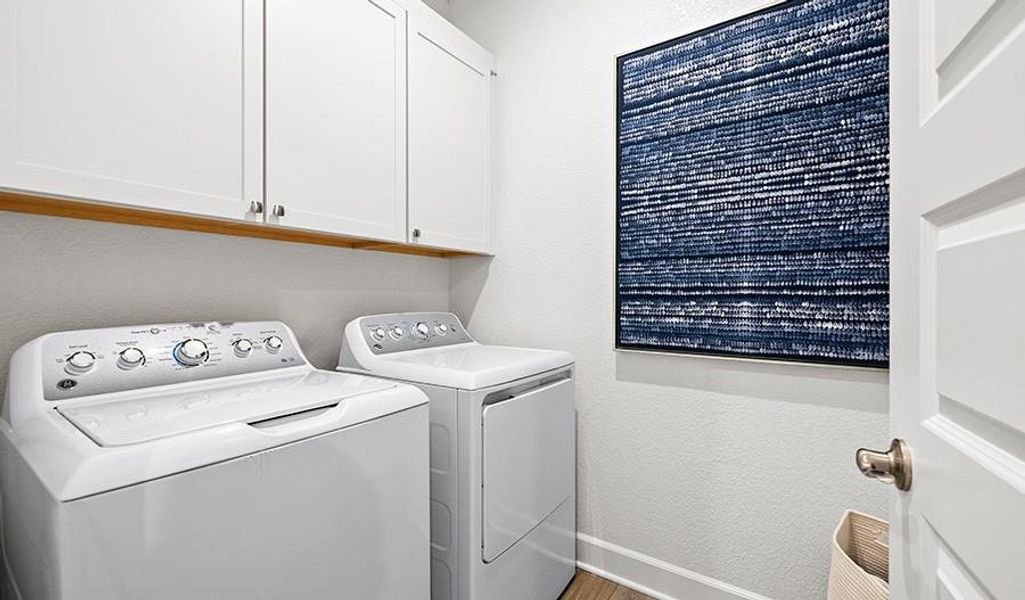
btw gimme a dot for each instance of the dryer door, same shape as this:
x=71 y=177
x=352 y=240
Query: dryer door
x=528 y=459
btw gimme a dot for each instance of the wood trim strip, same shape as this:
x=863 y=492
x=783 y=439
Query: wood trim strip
x=69 y=208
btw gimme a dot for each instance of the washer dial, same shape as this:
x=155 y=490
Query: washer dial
x=129 y=358
x=422 y=331
x=191 y=352
x=80 y=362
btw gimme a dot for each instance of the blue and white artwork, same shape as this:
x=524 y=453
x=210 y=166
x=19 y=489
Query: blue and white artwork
x=752 y=200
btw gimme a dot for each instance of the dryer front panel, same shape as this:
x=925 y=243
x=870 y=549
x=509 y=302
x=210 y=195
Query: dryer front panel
x=528 y=461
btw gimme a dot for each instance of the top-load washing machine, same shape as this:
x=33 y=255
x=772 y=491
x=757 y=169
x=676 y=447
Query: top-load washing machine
x=208 y=460
x=502 y=452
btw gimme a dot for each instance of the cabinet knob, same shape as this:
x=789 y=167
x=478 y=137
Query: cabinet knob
x=278 y=210
x=416 y=233
x=256 y=207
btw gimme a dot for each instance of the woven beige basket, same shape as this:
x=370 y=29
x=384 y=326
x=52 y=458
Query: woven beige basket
x=861 y=559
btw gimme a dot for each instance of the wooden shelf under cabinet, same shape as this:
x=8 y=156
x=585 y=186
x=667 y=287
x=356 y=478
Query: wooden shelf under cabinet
x=91 y=211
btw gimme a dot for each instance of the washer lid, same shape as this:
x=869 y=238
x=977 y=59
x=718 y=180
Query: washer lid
x=469 y=366
x=110 y=441
x=162 y=414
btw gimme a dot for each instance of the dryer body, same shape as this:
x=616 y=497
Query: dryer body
x=503 y=454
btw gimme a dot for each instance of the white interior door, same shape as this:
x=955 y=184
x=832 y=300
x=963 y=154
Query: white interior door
x=958 y=291
x=449 y=136
x=336 y=116
x=140 y=102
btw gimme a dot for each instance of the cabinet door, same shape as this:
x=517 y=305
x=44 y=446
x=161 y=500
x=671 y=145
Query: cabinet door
x=336 y=116
x=449 y=136
x=139 y=102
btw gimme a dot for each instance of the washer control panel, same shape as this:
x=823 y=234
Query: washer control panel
x=399 y=332
x=97 y=361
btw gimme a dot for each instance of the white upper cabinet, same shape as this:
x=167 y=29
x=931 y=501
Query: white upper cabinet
x=363 y=118
x=449 y=136
x=151 y=103
x=336 y=116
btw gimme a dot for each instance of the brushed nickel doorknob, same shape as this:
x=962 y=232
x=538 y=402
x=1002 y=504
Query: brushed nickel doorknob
x=892 y=466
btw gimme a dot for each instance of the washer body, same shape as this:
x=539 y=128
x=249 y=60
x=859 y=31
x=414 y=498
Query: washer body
x=249 y=474
x=503 y=499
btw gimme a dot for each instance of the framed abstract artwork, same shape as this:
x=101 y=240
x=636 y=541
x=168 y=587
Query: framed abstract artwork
x=752 y=199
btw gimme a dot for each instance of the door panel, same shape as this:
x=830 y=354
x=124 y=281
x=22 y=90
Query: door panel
x=979 y=352
x=967 y=34
x=958 y=246
x=952 y=582
x=954 y=19
x=528 y=461
x=336 y=116
x=138 y=102
x=449 y=137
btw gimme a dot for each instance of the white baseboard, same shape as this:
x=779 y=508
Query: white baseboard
x=652 y=576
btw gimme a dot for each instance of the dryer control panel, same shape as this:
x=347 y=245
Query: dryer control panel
x=97 y=361
x=398 y=332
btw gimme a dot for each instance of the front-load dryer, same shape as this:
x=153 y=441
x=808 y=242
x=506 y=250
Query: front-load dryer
x=502 y=452
x=209 y=460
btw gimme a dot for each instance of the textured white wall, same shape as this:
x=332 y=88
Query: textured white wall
x=736 y=470
x=60 y=274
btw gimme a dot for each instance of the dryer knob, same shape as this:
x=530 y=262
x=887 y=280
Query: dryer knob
x=422 y=331
x=273 y=343
x=242 y=347
x=191 y=352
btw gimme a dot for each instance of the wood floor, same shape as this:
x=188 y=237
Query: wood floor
x=591 y=587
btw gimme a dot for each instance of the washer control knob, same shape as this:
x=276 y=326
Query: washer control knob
x=441 y=329
x=377 y=333
x=129 y=358
x=422 y=331
x=80 y=362
x=191 y=352
x=242 y=347
x=396 y=332
x=273 y=344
